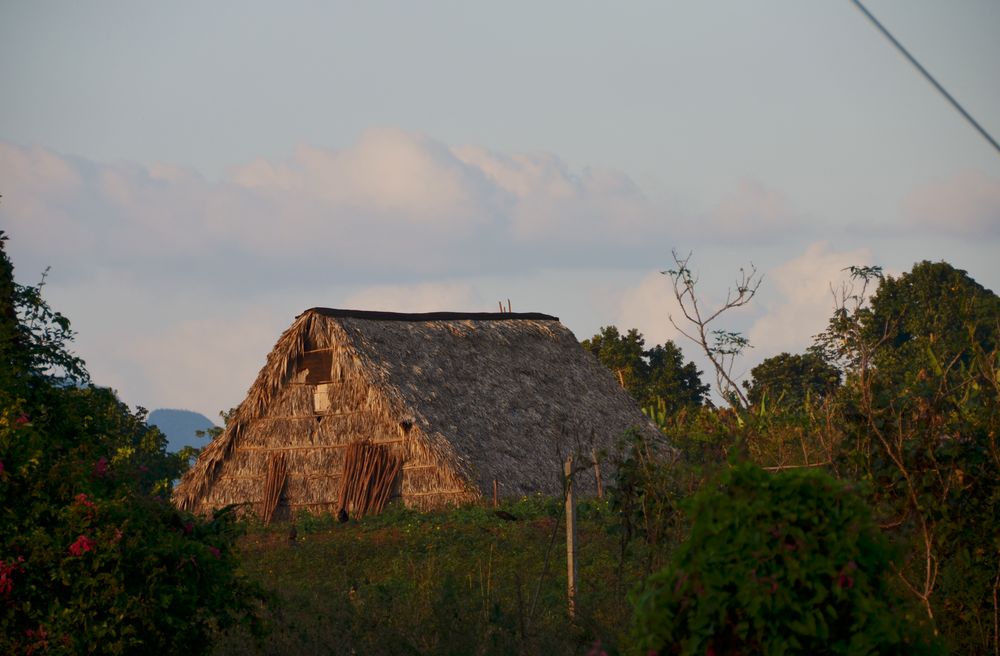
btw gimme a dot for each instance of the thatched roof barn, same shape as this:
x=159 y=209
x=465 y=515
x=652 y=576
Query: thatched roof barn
x=353 y=408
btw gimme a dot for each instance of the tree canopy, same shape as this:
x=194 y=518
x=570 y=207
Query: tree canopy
x=791 y=379
x=649 y=375
x=934 y=306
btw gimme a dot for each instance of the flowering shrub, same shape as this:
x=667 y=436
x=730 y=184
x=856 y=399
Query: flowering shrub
x=777 y=563
x=82 y=545
x=7 y=571
x=93 y=558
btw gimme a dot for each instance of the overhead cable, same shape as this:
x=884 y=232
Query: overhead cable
x=951 y=99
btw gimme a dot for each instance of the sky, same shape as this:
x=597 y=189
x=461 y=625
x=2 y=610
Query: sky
x=197 y=174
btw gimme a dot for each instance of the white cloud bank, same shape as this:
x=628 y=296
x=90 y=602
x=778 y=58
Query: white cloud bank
x=804 y=301
x=179 y=285
x=394 y=204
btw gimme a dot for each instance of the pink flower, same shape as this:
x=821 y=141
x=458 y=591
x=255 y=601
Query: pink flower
x=101 y=467
x=84 y=501
x=22 y=420
x=82 y=545
x=215 y=552
x=40 y=638
x=843 y=579
x=7 y=574
x=1 y=466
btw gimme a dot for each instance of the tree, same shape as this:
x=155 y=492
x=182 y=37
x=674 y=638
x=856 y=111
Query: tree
x=935 y=308
x=920 y=421
x=92 y=554
x=670 y=379
x=791 y=379
x=623 y=355
x=654 y=377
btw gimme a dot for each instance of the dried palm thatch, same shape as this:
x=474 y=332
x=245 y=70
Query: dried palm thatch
x=368 y=475
x=277 y=471
x=455 y=400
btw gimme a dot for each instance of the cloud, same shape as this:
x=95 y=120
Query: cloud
x=393 y=204
x=546 y=200
x=801 y=302
x=752 y=211
x=648 y=306
x=391 y=175
x=966 y=205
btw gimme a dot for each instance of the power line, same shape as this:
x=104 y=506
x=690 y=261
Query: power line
x=899 y=46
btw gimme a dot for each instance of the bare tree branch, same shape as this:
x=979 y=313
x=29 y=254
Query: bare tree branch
x=721 y=347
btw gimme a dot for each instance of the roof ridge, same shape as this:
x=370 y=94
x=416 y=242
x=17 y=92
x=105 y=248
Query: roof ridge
x=430 y=316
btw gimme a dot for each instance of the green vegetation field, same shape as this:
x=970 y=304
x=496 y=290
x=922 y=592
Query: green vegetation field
x=463 y=581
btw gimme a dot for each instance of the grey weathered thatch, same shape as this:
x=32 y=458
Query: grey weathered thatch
x=461 y=399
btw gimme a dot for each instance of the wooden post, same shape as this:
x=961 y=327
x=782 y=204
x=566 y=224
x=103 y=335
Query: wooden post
x=571 y=570
x=494 y=493
x=597 y=473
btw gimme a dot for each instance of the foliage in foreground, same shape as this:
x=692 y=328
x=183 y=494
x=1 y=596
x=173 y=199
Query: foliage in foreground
x=914 y=425
x=93 y=558
x=778 y=563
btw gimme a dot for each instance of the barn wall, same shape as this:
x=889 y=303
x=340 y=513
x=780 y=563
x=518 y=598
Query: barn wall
x=326 y=405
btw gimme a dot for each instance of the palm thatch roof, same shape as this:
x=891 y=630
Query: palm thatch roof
x=458 y=400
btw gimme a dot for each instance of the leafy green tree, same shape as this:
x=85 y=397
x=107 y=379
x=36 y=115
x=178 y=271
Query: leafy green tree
x=934 y=307
x=791 y=379
x=654 y=377
x=93 y=557
x=671 y=379
x=933 y=310
x=623 y=355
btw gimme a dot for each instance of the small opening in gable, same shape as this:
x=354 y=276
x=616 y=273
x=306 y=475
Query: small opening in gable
x=321 y=399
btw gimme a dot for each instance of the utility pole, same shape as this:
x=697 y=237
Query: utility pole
x=571 y=570
x=597 y=474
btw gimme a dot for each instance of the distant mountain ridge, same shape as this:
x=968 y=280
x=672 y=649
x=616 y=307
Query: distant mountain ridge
x=180 y=426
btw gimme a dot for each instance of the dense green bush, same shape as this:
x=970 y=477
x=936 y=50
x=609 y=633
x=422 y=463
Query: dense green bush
x=777 y=563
